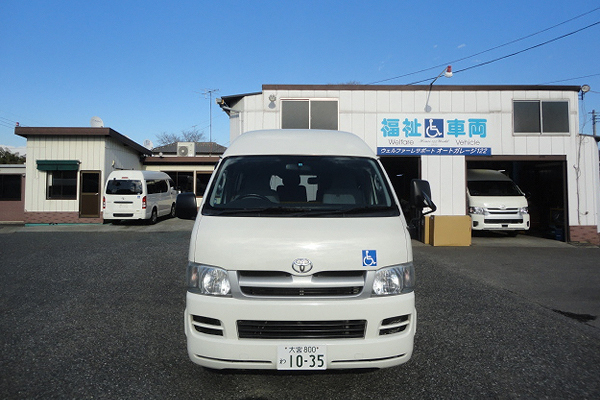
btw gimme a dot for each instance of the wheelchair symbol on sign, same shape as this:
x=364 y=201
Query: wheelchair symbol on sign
x=369 y=258
x=432 y=130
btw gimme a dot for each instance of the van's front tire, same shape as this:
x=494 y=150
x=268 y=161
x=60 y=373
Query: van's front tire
x=172 y=214
x=153 y=217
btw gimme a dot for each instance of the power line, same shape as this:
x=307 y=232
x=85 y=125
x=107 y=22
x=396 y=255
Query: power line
x=517 y=52
x=529 y=48
x=571 y=79
x=486 y=51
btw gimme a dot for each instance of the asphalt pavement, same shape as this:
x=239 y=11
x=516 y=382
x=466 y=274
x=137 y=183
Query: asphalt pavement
x=97 y=312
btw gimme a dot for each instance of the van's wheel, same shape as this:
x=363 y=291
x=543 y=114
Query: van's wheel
x=172 y=215
x=153 y=217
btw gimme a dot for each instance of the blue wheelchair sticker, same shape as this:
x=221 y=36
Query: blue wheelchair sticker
x=369 y=258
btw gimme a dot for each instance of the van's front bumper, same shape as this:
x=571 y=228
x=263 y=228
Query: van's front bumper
x=211 y=327
x=481 y=222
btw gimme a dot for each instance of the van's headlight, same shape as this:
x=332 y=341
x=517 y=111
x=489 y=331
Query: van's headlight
x=476 y=210
x=394 y=280
x=524 y=210
x=208 y=280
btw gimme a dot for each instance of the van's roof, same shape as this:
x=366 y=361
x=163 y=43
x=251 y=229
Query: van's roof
x=486 y=175
x=136 y=174
x=299 y=141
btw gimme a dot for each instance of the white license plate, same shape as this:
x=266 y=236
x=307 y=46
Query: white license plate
x=302 y=357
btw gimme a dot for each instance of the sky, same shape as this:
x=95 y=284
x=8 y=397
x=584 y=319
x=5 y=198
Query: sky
x=144 y=67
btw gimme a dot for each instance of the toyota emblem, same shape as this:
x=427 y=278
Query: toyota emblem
x=302 y=265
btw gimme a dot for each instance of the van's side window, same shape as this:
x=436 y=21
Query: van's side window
x=157 y=186
x=151 y=187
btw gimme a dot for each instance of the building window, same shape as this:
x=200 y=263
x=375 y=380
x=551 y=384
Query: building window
x=62 y=185
x=10 y=187
x=309 y=114
x=201 y=183
x=184 y=180
x=540 y=117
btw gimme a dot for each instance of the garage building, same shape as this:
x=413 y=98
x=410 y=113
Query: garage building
x=438 y=132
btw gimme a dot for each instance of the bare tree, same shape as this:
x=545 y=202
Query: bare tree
x=7 y=157
x=191 y=135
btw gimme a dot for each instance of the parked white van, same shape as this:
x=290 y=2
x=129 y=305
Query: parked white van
x=495 y=202
x=130 y=194
x=299 y=259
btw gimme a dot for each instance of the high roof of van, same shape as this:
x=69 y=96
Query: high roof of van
x=137 y=174
x=486 y=175
x=301 y=142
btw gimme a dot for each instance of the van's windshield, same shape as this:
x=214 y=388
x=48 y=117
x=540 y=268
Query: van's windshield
x=493 y=188
x=123 y=186
x=300 y=186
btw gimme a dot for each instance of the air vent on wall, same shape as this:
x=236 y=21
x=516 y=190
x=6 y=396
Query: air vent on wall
x=186 y=149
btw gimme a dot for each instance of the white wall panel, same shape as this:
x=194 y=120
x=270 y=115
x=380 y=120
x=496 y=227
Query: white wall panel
x=370 y=101
x=345 y=101
x=445 y=102
x=446 y=176
x=408 y=102
x=470 y=102
x=483 y=101
x=420 y=101
x=383 y=101
x=395 y=101
x=458 y=102
x=495 y=98
x=358 y=102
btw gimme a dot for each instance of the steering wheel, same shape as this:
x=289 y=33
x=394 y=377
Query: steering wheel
x=253 y=196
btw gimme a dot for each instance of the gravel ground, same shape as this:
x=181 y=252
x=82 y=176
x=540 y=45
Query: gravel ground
x=99 y=315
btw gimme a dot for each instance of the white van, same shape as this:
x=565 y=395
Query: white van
x=299 y=258
x=130 y=194
x=495 y=202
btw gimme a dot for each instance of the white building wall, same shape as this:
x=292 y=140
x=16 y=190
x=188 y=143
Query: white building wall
x=360 y=112
x=116 y=156
x=94 y=153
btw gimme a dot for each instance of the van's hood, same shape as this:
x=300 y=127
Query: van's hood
x=498 y=201
x=252 y=243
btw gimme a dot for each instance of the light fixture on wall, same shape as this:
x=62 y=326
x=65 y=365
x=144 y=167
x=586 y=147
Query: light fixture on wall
x=583 y=90
x=447 y=72
x=272 y=99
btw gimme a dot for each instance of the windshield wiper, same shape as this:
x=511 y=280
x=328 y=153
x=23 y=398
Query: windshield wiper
x=352 y=211
x=258 y=211
x=302 y=211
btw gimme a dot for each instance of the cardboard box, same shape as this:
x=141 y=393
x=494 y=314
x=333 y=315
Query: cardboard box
x=450 y=230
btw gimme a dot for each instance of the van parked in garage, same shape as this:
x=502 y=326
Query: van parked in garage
x=130 y=194
x=495 y=202
x=300 y=258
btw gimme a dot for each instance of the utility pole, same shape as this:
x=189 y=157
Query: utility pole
x=594 y=120
x=209 y=92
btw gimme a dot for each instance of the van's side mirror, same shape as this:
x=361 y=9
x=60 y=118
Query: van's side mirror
x=185 y=206
x=420 y=196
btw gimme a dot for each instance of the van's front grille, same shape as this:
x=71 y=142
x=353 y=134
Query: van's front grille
x=503 y=211
x=503 y=221
x=282 y=284
x=344 y=329
x=293 y=292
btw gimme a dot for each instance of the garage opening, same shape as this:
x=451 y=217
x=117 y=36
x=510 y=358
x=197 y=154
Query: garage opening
x=543 y=179
x=402 y=170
